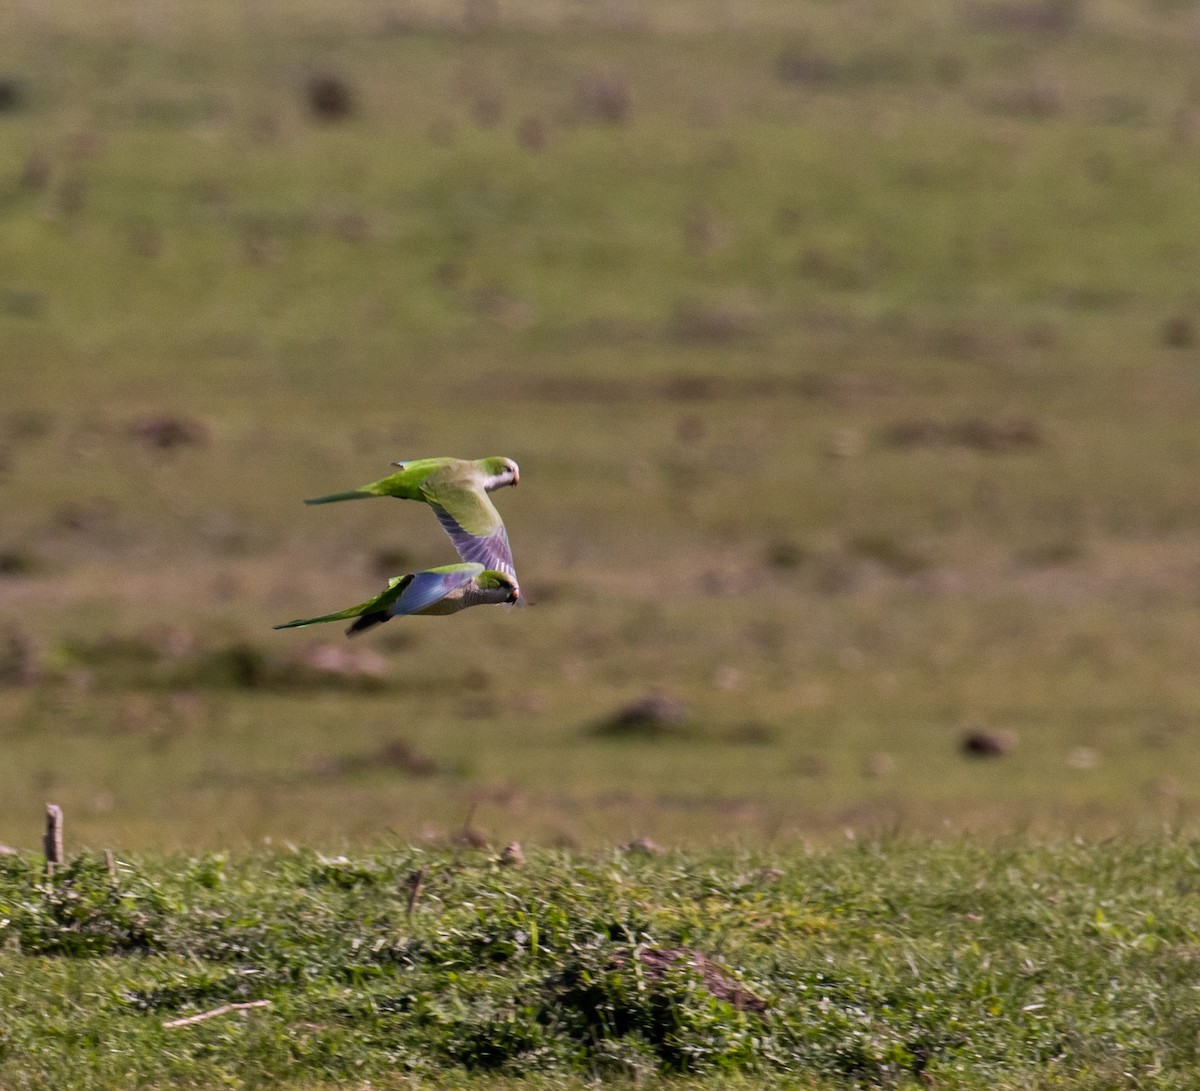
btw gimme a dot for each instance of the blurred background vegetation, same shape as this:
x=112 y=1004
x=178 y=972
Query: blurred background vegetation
x=849 y=351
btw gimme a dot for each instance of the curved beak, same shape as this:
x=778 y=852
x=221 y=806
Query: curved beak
x=515 y=596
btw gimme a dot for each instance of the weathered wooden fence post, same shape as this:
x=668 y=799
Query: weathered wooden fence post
x=52 y=842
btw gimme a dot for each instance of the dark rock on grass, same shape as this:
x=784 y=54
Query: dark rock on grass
x=16 y=562
x=12 y=94
x=1179 y=332
x=166 y=431
x=329 y=97
x=978 y=743
x=653 y=716
x=787 y=553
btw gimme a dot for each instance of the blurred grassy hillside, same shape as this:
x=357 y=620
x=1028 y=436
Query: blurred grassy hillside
x=851 y=353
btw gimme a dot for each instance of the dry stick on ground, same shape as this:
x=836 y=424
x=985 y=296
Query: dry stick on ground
x=224 y=1009
x=415 y=880
x=52 y=842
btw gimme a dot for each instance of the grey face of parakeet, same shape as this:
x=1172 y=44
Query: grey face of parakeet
x=500 y=472
x=497 y=587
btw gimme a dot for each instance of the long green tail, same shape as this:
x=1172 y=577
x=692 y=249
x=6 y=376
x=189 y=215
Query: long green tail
x=369 y=613
x=341 y=615
x=353 y=494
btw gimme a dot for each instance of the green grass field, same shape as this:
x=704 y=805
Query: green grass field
x=890 y=964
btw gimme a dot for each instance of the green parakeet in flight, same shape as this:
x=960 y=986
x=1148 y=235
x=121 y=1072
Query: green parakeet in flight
x=444 y=590
x=456 y=489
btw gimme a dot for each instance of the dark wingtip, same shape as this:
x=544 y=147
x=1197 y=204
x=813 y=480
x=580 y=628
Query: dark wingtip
x=367 y=621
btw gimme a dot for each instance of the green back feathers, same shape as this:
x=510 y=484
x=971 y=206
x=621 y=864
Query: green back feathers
x=491 y=580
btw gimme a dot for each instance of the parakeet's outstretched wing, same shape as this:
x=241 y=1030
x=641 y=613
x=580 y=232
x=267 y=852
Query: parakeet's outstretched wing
x=471 y=519
x=379 y=604
x=489 y=551
x=431 y=586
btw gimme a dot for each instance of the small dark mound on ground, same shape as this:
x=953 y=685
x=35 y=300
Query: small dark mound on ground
x=165 y=432
x=653 y=716
x=978 y=743
x=12 y=94
x=329 y=97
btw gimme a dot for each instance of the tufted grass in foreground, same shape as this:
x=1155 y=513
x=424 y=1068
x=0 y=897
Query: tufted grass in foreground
x=954 y=964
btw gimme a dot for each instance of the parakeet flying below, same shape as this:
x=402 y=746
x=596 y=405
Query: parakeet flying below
x=457 y=491
x=444 y=590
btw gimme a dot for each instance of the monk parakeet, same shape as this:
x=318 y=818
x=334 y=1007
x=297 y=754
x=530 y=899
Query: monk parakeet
x=457 y=491
x=444 y=590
